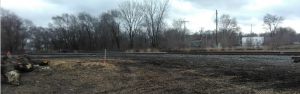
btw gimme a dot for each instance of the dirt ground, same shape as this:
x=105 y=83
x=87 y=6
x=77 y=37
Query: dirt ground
x=155 y=75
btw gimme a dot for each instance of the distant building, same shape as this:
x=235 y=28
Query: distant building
x=195 y=43
x=192 y=37
x=296 y=43
x=252 y=41
x=194 y=40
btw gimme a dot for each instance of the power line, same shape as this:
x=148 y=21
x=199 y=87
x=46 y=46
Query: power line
x=210 y=20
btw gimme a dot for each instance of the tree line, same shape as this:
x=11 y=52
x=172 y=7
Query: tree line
x=229 y=33
x=134 y=25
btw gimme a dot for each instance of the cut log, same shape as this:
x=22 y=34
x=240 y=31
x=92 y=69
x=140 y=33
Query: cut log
x=11 y=67
x=8 y=72
x=23 y=64
x=40 y=62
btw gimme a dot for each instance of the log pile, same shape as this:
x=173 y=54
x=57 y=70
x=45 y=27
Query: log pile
x=11 y=67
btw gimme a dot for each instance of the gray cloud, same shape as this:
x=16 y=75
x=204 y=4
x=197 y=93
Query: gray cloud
x=288 y=9
x=42 y=16
x=235 y=8
x=230 y=5
x=94 y=7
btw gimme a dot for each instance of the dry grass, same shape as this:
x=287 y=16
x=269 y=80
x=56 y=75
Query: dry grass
x=129 y=51
x=141 y=50
x=125 y=75
x=219 y=48
x=281 y=52
x=70 y=63
x=271 y=91
x=265 y=48
x=226 y=49
x=289 y=47
x=148 y=50
x=186 y=49
x=75 y=51
x=295 y=50
x=155 y=50
x=245 y=48
x=232 y=49
x=208 y=49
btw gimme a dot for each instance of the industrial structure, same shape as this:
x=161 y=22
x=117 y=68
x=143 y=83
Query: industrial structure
x=252 y=41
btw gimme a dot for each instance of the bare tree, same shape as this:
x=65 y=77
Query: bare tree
x=179 y=30
x=13 y=33
x=74 y=32
x=141 y=39
x=155 y=13
x=110 y=19
x=28 y=27
x=285 y=36
x=229 y=30
x=38 y=37
x=103 y=35
x=131 y=14
x=272 y=22
x=227 y=24
x=87 y=26
x=174 y=36
x=60 y=25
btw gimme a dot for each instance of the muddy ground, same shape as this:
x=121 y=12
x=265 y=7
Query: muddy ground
x=162 y=74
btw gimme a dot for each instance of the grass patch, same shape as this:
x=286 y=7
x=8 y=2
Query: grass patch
x=141 y=50
x=186 y=49
x=232 y=49
x=265 y=48
x=219 y=48
x=226 y=49
x=281 y=52
x=129 y=51
x=155 y=50
x=245 y=48
x=148 y=50
x=208 y=49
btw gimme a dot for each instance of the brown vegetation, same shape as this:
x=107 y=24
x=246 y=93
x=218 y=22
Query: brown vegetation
x=159 y=75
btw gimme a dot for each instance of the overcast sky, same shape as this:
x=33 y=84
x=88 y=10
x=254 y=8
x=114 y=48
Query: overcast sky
x=199 y=13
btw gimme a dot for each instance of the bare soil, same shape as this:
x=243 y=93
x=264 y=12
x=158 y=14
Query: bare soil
x=157 y=75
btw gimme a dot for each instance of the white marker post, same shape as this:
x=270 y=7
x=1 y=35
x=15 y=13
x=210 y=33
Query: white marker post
x=8 y=54
x=105 y=57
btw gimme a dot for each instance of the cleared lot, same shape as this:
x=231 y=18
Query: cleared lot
x=163 y=74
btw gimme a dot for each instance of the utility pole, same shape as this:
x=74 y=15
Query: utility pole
x=200 y=36
x=184 y=25
x=216 y=27
x=205 y=38
x=251 y=37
